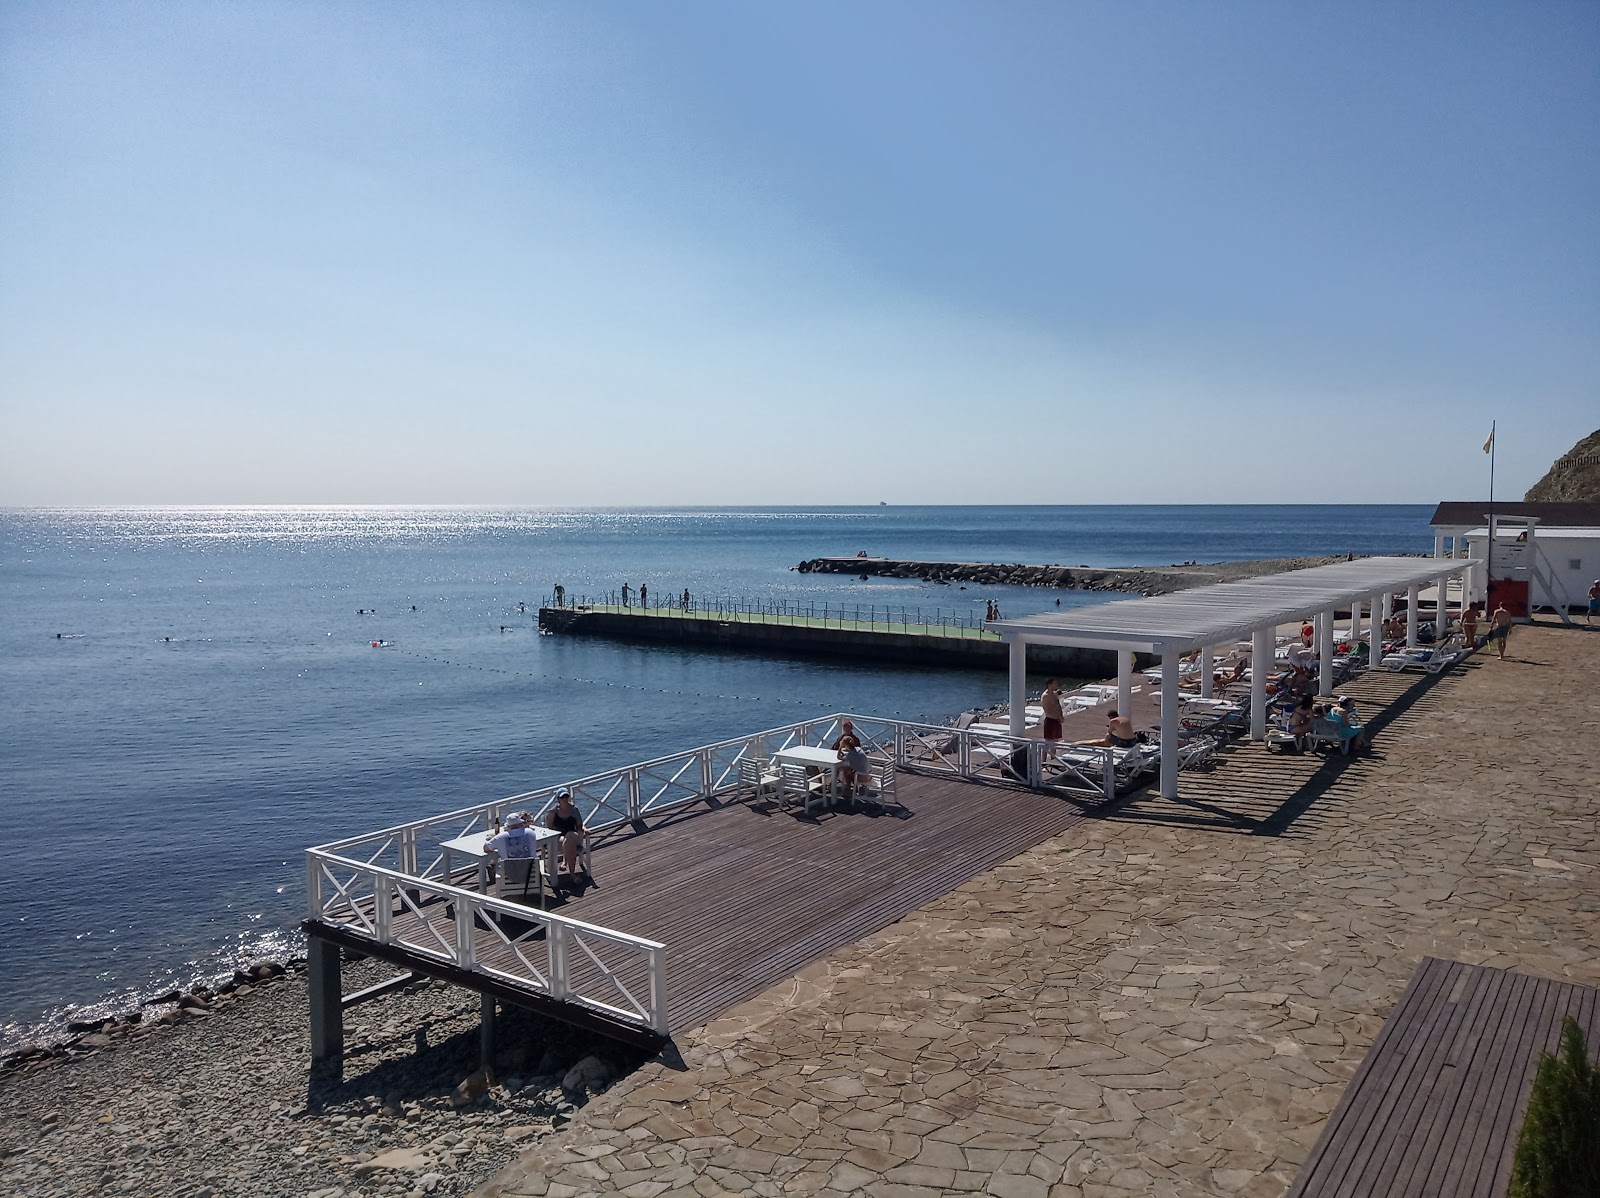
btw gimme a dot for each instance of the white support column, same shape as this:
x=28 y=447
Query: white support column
x=1441 y=618
x=1413 y=595
x=1261 y=659
x=1355 y=624
x=1325 y=664
x=1170 y=661
x=1458 y=546
x=1375 y=649
x=1438 y=544
x=1019 y=686
x=1206 y=670
x=1124 y=681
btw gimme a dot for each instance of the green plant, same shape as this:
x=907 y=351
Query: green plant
x=1558 y=1148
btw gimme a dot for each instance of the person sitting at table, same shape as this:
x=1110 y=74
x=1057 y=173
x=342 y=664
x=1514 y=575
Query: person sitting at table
x=515 y=842
x=568 y=821
x=853 y=764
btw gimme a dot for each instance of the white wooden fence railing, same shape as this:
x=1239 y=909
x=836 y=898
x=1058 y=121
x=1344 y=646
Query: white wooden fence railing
x=359 y=884
x=608 y=971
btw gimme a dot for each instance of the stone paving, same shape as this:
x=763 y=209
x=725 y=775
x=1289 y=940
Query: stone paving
x=1167 y=1000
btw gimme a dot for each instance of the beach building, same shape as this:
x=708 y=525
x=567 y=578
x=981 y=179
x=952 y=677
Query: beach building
x=1546 y=555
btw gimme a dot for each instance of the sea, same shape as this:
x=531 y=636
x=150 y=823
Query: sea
x=192 y=695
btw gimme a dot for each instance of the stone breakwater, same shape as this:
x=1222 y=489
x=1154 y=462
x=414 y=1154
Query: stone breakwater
x=220 y=1099
x=1137 y=580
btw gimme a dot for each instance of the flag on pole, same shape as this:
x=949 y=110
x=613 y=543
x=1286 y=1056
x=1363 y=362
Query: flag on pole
x=1489 y=444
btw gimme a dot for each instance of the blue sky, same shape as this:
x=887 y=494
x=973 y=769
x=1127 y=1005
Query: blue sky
x=599 y=253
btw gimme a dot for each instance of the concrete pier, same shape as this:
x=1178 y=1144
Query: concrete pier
x=801 y=636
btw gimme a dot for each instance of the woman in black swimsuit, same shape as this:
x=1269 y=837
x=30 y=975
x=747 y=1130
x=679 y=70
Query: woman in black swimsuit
x=566 y=820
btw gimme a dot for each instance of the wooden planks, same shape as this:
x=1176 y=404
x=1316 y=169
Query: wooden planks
x=1435 y=1105
x=746 y=895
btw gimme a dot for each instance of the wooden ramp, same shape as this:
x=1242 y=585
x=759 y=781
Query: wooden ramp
x=1435 y=1106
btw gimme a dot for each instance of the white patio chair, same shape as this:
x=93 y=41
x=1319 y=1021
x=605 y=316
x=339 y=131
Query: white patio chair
x=756 y=777
x=878 y=786
x=516 y=875
x=796 y=785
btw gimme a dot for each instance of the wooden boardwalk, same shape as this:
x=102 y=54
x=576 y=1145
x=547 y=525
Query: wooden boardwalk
x=744 y=894
x=1435 y=1106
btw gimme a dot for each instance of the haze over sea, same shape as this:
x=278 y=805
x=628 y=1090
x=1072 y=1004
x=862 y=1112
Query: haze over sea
x=157 y=793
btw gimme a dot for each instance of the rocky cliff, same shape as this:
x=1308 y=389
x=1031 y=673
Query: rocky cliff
x=1575 y=477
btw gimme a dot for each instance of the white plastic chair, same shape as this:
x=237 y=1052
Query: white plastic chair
x=795 y=784
x=755 y=777
x=516 y=875
x=877 y=786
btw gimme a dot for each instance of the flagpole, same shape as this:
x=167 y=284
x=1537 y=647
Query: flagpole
x=1488 y=564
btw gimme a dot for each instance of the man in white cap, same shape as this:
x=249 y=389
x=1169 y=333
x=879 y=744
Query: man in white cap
x=515 y=843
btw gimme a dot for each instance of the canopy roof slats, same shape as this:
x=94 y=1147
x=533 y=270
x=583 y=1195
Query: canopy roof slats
x=1228 y=611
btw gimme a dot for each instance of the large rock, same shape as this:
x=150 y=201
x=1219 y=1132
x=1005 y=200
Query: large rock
x=402 y=1160
x=472 y=1088
x=588 y=1075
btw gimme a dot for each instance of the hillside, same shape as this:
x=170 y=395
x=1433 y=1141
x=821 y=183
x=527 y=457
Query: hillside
x=1575 y=477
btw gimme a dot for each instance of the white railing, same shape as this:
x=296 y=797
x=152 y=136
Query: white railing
x=624 y=800
x=363 y=884
x=604 y=970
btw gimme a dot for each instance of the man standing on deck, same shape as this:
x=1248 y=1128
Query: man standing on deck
x=624 y=594
x=1051 y=702
x=644 y=594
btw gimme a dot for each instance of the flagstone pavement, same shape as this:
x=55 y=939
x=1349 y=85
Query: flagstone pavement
x=1166 y=1000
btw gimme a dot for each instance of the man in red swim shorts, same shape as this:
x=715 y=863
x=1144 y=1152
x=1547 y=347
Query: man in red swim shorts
x=1051 y=702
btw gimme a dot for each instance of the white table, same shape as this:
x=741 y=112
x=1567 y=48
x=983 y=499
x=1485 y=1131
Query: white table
x=474 y=845
x=816 y=757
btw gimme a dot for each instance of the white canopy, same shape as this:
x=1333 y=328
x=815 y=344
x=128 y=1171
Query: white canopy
x=1227 y=611
x=1171 y=625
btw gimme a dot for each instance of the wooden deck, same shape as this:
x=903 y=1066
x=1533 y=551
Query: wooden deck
x=1435 y=1106
x=744 y=894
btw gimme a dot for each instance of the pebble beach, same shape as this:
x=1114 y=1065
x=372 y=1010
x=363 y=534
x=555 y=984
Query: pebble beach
x=216 y=1098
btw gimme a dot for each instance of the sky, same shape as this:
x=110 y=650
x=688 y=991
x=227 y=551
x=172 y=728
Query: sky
x=607 y=253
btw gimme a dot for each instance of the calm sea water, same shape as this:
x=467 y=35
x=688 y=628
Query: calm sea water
x=157 y=792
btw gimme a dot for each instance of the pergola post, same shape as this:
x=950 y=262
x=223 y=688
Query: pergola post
x=1019 y=686
x=1261 y=658
x=1438 y=544
x=1355 y=623
x=1413 y=596
x=1205 y=671
x=1325 y=659
x=1124 y=680
x=1441 y=618
x=1171 y=659
x=1375 y=651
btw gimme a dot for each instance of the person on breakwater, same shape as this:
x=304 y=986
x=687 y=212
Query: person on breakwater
x=625 y=593
x=561 y=595
x=644 y=594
